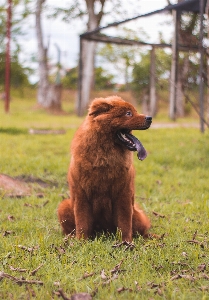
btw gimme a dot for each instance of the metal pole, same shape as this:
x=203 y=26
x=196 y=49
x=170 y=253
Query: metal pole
x=201 y=51
x=8 y=58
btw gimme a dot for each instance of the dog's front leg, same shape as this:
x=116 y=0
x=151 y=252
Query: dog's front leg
x=124 y=221
x=83 y=219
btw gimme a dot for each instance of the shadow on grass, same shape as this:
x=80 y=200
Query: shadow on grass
x=13 y=130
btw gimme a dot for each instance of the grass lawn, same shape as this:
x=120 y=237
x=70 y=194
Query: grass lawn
x=172 y=186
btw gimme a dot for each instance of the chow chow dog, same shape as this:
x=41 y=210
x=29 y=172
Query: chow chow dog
x=101 y=172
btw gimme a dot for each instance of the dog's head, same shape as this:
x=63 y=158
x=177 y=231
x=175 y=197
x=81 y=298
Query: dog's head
x=118 y=118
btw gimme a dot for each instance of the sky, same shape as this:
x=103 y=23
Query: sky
x=66 y=36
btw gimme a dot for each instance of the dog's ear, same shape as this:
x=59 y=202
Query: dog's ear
x=99 y=106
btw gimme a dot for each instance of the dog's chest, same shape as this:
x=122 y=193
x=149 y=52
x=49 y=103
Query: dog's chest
x=102 y=210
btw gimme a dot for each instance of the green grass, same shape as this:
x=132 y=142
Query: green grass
x=172 y=182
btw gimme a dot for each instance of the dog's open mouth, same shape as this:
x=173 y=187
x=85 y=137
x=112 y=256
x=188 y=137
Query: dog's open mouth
x=132 y=143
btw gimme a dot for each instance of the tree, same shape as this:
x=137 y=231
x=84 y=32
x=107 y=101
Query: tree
x=94 y=10
x=49 y=95
x=20 y=12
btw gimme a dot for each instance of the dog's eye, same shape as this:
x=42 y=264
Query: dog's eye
x=129 y=113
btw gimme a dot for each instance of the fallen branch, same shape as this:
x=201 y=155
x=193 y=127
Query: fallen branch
x=19 y=280
x=34 y=271
x=158 y=215
x=193 y=242
x=18 y=269
x=46 y=131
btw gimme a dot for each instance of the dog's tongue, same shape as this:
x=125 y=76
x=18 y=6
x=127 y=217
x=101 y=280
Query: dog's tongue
x=141 y=152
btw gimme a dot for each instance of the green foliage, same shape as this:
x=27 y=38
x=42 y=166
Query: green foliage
x=19 y=73
x=103 y=80
x=122 y=58
x=20 y=11
x=171 y=186
x=141 y=72
x=70 y=80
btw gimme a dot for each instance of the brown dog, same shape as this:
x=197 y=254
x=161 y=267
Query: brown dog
x=101 y=173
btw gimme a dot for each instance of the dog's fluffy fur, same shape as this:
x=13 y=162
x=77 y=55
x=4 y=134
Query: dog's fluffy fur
x=101 y=173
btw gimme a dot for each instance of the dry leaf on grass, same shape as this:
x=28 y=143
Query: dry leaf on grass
x=103 y=275
x=60 y=250
x=179 y=276
x=81 y=296
x=117 y=267
x=123 y=289
x=201 y=268
x=10 y=218
x=128 y=245
x=29 y=249
x=7 y=232
x=86 y=275
x=205 y=276
x=110 y=280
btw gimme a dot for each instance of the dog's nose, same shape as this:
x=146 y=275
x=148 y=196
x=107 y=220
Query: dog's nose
x=149 y=119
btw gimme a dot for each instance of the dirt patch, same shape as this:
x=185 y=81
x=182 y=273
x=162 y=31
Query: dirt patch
x=23 y=185
x=34 y=180
x=12 y=186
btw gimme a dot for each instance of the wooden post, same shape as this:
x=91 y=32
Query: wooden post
x=207 y=60
x=80 y=70
x=201 y=86
x=173 y=77
x=153 y=104
x=8 y=57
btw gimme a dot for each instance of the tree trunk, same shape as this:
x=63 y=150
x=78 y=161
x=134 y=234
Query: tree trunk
x=173 y=76
x=88 y=55
x=153 y=98
x=182 y=77
x=145 y=103
x=207 y=58
x=87 y=58
x=49 y=95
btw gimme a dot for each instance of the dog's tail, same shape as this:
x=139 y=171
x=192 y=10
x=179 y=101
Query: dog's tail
x=66 y=216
